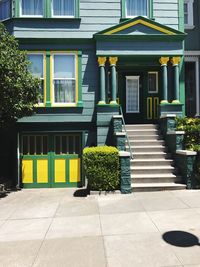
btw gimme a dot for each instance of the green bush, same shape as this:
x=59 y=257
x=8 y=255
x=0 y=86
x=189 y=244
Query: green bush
x=102 y=167
x=191 y=126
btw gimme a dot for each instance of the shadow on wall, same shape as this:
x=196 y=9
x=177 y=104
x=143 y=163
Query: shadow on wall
x=181 y=239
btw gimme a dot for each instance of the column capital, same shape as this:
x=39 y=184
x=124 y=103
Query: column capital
x=175 y=60
x=163 y=61
x=101 y=61
x=113 y=60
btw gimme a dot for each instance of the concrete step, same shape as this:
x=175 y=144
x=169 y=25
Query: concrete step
x=147 y=148
x=145 y=137
x=152 y=162
x=146 y=142
x=153 y=170
x=156 y=178
x=142 y=132
x=140 y=187
x=141 y=126
x=151 y=155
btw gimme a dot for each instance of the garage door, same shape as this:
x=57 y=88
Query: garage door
x=51 y=160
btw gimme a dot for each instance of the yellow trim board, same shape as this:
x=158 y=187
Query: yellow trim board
x=60 y=171
x=140 y=21
x=74 y=170
x=42 y=171
x=27 y=171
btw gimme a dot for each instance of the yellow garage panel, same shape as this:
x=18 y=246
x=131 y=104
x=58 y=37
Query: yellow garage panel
x=74 y=170
x=60 y=171
x=42 y=171
x=27 y=171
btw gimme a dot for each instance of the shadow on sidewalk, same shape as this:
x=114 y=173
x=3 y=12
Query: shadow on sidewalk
x=181 y=239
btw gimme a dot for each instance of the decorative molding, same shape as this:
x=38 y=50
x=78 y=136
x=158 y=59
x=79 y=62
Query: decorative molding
x=113 y=60
x=101 y=61
x=163 y=61
x=175 y=60
x=192 y=53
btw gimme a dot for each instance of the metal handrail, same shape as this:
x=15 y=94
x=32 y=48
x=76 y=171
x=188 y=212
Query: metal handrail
x=123 y=123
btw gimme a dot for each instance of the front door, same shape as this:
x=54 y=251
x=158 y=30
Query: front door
x=139 y=96
x=131 y=96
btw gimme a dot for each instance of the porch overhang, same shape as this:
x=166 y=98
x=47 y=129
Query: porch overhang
x=139 y=36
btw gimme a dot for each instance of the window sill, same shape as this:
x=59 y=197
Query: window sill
x=129 y=18
x=76 y=105
x=51 y=18
x=189 y=27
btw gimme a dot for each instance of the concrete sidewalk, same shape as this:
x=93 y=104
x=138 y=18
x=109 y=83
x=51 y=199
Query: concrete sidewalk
x=51 y=227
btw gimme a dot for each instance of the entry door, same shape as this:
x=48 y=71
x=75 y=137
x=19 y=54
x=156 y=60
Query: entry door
x=131 y=96
x=51 y=160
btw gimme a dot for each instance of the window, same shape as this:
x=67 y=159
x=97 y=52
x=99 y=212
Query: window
x=37 y=69
x=4 y=9
x=188 y=14
x=34 y=144
x=63 y=8
x=136 y=8
x=132 y=94
x=153 y=82
x=32 y=8
x=67 y=144
x=64 y=78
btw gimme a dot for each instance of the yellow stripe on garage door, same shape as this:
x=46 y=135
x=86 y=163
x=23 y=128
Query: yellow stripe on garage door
x=42 y=171
x=74 y=170
x=60 y=171
x=27 y=171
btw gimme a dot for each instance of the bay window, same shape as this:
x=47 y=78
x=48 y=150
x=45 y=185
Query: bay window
x=37 y=69
x=5 y=9
x=64 y=78
x=63 y=8
x=136 y=8
x=32 y=8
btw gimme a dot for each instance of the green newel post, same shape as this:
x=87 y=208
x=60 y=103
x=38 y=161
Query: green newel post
x=175 y=62
x=102 y=61
x=113 y=61
x=163 y=61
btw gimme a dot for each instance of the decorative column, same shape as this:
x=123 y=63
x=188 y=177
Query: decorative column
x=175 y=62
x=102 y=61
x=113 y=61
x=163 y=61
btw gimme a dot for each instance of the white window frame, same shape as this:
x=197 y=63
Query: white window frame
x=75 y=79
x=44 y=75
x=190 y=58
x=57 y=16
x=138 y=80
x=135 y=15
x=30 y=16
x=190 y=9
x=156 y=73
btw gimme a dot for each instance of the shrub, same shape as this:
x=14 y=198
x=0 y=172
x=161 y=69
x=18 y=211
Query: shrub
x=191 y=126
x=102 y=167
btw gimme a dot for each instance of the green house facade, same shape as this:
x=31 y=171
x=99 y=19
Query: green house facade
x=192 y=57
x=95 y=59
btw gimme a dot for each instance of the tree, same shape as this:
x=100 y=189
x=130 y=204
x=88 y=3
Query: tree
x=19 y=90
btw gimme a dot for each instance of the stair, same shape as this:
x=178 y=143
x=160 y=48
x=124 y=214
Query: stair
x=152 y=168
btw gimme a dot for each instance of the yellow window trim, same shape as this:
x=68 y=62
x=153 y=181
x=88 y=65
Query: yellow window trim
x=51 y=77
x=44 y=71
x=140 y=21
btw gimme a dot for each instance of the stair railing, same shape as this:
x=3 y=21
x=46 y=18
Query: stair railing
x=124 y=125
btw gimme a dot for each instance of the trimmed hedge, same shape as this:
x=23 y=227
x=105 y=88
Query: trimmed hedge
x=102 y=167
